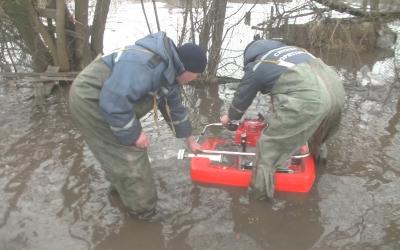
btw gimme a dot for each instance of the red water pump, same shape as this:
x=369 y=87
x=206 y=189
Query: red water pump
x=234 y=167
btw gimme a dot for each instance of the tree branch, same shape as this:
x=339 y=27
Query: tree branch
x=61 y=36
x=99 y=24
x=344 y=8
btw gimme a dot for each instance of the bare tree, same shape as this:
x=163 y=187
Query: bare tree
x=156 y=15
x=188 y=6
x=212 y=29
x=56 y=35
x=61 y=41
x=360 y=12
x=216 y=36
x=10 y=58
x=99 y=25
x=145 y=16
x=82 y=49
x=20 y=14
x=205 y=27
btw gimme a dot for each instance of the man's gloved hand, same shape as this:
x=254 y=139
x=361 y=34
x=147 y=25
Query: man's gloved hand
x=192 y=144
x=143 y=141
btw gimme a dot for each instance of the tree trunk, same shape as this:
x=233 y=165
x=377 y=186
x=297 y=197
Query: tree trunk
x=156 y=15
x=62 y=55
x=192 y=30
x=99 y=25
x=185 y=17
x=217 y=34
x=374 y=6
x=82 y=52
x=364 y=5
x=145 y=16
x=208 y=14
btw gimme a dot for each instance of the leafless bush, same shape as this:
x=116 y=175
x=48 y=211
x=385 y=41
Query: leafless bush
x=12 y=50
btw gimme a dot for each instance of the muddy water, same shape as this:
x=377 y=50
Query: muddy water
x=55 y=196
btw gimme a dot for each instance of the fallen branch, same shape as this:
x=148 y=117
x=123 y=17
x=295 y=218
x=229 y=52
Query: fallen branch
x=40 y=77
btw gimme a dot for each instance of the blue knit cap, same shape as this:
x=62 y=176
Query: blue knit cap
x=193 y=57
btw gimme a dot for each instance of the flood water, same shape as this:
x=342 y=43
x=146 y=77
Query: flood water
x=54 y=194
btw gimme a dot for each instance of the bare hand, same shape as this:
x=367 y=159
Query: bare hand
x=192 y=144
x=225 y=120
x=143 y=141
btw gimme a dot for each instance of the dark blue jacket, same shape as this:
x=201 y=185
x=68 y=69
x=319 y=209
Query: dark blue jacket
x=145 y=69
x=265 y=61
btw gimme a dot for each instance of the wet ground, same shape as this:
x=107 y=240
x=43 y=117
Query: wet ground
x=55 y=196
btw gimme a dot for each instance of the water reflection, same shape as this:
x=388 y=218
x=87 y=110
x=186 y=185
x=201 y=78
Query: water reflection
x=264 y=223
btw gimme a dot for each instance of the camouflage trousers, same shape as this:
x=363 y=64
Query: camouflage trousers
x=308 y=101
x=126 y=167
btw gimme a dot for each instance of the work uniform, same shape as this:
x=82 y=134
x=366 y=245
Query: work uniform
x=107 y=100
x=307 y=97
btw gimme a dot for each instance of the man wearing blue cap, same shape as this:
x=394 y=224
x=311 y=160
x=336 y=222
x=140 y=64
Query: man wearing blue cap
x=307 y=97
x=108 y=98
